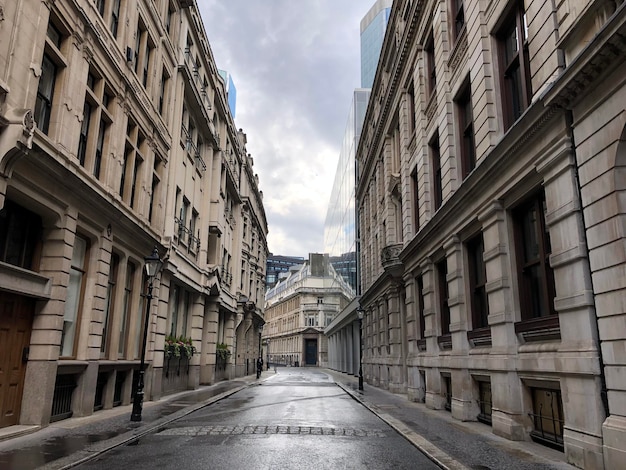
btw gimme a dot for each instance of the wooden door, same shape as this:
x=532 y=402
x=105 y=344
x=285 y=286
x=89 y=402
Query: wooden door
x=16 y=316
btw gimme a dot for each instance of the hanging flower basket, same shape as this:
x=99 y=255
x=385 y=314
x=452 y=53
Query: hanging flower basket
x=222 y=352
x=179 y=347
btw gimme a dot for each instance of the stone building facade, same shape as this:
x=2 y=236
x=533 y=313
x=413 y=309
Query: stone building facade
x=115 y=138
x=297 y=310
x=490 y=199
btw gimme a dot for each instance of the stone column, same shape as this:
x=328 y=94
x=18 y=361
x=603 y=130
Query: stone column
x=209 y=341
x=508 y=419
x=48 y=322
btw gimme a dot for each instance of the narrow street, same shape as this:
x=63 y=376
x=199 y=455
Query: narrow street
x=297 y=418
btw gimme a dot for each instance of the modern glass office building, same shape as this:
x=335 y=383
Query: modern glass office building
x=373 y=27
x=231 y=91
x=340 y=224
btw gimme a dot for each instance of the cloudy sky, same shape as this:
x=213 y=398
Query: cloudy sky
x=295 y=64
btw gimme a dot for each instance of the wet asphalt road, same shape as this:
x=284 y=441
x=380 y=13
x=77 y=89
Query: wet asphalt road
x=297 y=419
x=56 y=441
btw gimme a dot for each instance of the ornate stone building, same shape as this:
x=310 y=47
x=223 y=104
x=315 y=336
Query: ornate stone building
x=299 y=307
x=490 y=198
x=115 y=138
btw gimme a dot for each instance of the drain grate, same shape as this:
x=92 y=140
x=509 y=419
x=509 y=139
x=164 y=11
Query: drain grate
x=256 y=429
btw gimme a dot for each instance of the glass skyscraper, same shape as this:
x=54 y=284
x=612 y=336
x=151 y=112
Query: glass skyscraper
x=373 y=27
x=340 y=226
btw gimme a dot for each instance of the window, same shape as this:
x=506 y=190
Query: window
x=51 y=64
x=484 y=401
x=74 y=298
x=155 y=193
x=168 y=17
x=421 y=319
x=444 y=309
x=109 y=303
x=140 y=318
x=115 y=18
x=20 y=236
x=467 y=145
x=514 y=65
x=174 y=307
x=532 y=240
x=416 y=200
x=100 y=7
x=134 y=153
x=547 y=417
x=127 y=309
x=144 y=47
x=410 y=102
x=435 y=157
x=165 y=80
x=477 y=280
x=446 y=383
x=431 y=72
x=95 y=125
x=458 y=18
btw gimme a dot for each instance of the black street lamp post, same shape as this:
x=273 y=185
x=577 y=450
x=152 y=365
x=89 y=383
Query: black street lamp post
x=267 y=342
x=359 y=312
x=153 y=266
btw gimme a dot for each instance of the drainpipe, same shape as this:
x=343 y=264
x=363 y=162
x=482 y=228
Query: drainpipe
x=569 y=118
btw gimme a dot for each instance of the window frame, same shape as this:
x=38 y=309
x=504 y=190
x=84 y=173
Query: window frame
x=529 y=312
x=465 y=125
x=477 y=277
x=80 y=297
x=514 y=73
x=437 y=183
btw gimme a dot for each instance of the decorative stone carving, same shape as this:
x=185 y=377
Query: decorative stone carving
x=390 y=259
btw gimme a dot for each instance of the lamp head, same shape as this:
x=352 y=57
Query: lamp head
x=153 y=263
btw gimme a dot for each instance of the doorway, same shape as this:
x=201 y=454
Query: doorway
x=310 y=349
x=16 y=318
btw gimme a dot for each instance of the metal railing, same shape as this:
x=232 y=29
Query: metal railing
x=62 y=398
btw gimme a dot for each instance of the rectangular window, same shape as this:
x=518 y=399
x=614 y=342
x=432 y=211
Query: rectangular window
x=45 y=94
x=99 y=149
x=467 y=143
x=458 y=18
x=127 y=309
x=532 y=241
x=484 y=401
x=174 y=300
x=20 y=236
x=435 y=158
x=84 y=134
x=109 y=304
x=416 y=200
x=141 y=312
x=421 y=319
x=514 y=65
x=74 y=298
x=115 y=18
x=100 y=7
x=410 y=101
x=444 y=309
x=477 y=280
x=548 y=418
x=446 y=382
x=431 y=72
x=156 y=180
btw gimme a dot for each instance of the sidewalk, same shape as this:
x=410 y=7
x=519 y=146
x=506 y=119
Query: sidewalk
x=65 y=444
x=452 y=444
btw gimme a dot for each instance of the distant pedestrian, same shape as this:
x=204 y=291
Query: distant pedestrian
x=259 y=367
